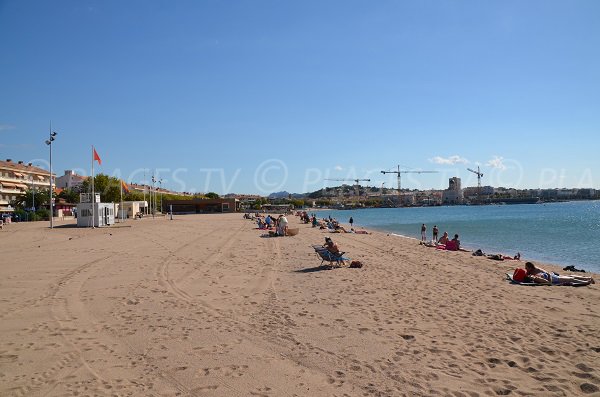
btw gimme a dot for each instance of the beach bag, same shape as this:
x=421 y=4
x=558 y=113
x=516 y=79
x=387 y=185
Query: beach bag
x=356 y=264
x=519 y=275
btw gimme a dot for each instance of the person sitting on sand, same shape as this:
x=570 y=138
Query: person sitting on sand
x=456 y=242
x=339 y=228
x=541 y=276
x=444 y=239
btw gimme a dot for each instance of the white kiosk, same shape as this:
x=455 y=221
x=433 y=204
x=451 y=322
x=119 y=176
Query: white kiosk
x=93 y=213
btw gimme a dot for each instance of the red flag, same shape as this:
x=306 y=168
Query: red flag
x=96 y=157
x=125 y=187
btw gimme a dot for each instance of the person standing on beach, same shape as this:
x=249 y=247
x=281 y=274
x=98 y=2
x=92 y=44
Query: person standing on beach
x=282 y=225
x=435 y=233
x=423 y=232
x=351 y=221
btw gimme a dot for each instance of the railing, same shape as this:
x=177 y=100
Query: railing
x=10 y=190
x=26 y=181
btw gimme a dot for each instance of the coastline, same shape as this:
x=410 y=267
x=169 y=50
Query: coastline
x=555 y=267
x=561 y=234
x=202 y=305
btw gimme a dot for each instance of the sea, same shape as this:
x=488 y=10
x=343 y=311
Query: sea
x=565 y=233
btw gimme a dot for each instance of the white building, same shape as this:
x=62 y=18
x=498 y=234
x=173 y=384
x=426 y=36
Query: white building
x=131 y=208
x=93 y=213
x=70 y=180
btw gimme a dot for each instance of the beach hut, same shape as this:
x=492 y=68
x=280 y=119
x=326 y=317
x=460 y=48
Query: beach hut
x=93 y=213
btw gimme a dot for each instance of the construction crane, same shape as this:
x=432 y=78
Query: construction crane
x=479 y=176
x=399 y=172
x=357 y=191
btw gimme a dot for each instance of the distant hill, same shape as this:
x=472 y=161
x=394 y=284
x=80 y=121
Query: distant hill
x=284 y=194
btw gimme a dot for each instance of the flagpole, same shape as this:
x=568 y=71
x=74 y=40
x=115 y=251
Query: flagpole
x=93 y=192
x=145 y=206
x=121 y=209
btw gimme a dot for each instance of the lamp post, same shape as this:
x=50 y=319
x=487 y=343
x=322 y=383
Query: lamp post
x=160 y=183
x=49 y=143
x=153 y=193
x=32 y=194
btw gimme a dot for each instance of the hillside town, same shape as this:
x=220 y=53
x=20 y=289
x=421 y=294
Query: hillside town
x=24 y=196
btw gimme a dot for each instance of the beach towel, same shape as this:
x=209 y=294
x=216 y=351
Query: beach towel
x=510 y=278
x=573 y=284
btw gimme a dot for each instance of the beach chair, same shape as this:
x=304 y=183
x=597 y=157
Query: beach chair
x=327 y=256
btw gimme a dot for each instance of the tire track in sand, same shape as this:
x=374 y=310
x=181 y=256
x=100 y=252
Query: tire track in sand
x=67 y=361
x=261 y=333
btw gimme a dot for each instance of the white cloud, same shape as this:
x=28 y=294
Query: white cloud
x=4 y=127
x=496 y=162
x=338 y=168
x=449 y=160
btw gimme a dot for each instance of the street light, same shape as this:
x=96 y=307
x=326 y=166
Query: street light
x=49 y=143
x=160 y=183
x=33 y=194
x=153 y=196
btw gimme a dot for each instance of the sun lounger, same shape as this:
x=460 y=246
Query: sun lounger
x=327 y=256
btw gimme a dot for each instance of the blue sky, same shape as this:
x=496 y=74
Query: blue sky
x=261 y=96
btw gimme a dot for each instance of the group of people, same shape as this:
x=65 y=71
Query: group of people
x=280 y=224
x=537 y=275
x=443 y=242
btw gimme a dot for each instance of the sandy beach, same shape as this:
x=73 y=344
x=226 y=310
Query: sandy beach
x=203 y=306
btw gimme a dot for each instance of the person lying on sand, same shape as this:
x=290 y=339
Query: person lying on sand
x=541 y=276
x=358 y=231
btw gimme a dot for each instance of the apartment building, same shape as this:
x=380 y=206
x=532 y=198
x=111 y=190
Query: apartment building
x=16 y=178
x=70 y=180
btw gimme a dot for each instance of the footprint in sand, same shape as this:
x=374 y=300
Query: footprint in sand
x=588 y=388
x=584 y=368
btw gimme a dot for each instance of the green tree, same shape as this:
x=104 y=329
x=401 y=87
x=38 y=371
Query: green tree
x=109 y=188
x=298 y=203
x=211 y=195
x=133 y=196
x=28 y=199
x=323 y=203
x=70 y=195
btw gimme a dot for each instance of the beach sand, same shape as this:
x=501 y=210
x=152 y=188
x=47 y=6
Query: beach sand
x=203 y=306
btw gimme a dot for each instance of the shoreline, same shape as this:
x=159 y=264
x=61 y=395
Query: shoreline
x=556 y=266
x=506 y=238
x=524 y=258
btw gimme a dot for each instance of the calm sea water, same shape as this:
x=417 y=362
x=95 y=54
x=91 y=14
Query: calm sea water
x=561 y=233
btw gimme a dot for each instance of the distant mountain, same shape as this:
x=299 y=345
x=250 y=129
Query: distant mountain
x=284 y=194
x=277 y=195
